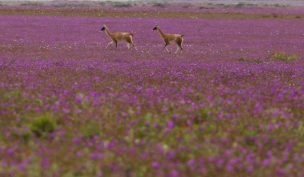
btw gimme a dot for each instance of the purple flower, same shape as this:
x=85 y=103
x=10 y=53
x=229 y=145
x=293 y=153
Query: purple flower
x=170 y=124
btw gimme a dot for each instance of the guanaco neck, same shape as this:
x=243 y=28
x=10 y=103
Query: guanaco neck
x=162 y=34
x=108 y=32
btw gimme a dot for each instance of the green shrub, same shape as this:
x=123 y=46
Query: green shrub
x=121 y=4
x=202 y=115
x=300 y=130
x=22 y=134
x=90 y=130
x=11 y=94
x=43 y=125
x=159 y=4
x=284 y=57
x=250 y=60
x=239 y=5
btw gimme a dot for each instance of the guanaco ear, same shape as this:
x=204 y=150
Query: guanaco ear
x=155 y=28
x=103 y=27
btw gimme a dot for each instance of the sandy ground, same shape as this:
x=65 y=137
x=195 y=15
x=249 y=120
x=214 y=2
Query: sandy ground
x=101 y=9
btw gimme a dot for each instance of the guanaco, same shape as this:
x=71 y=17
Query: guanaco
x=119 y=36
x=177 y=38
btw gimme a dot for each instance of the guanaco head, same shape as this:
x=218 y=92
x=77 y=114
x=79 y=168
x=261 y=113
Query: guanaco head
x=104 y=27
x=156 y=28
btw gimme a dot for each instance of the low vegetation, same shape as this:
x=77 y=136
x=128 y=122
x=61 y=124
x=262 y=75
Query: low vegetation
x=284 y=57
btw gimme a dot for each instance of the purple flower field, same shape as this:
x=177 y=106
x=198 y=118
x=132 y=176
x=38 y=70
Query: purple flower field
x=224 y=107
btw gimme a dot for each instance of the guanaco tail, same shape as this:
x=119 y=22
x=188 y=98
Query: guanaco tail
x=119 y=36
x=177 y=38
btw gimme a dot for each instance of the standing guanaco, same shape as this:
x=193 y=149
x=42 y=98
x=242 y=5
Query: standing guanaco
x=119 y=36
x=177 y=38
